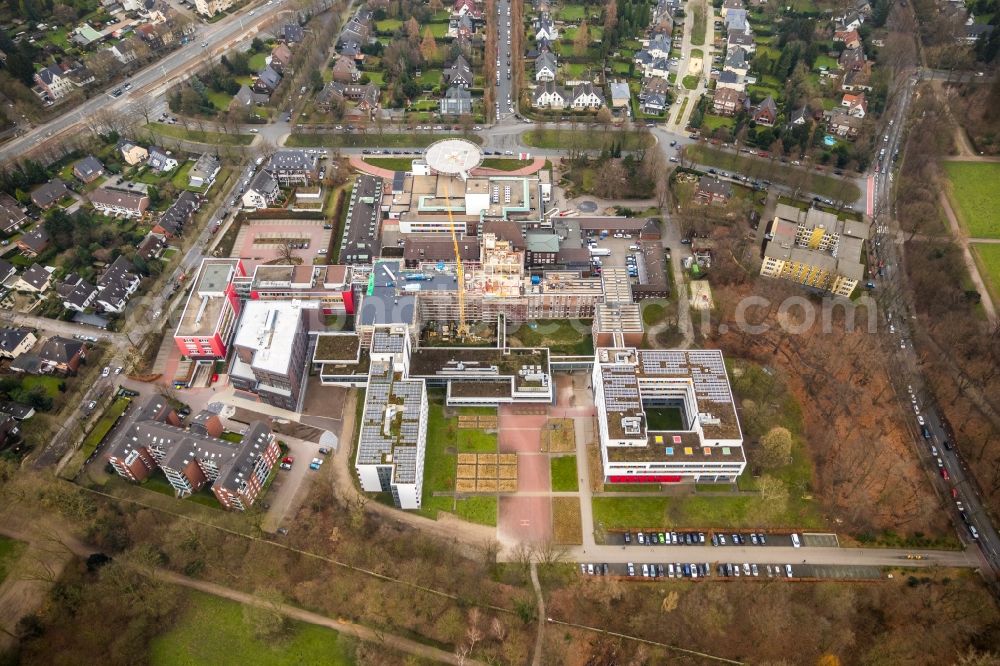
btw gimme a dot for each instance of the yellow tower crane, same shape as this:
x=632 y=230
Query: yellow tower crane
x=463 y=328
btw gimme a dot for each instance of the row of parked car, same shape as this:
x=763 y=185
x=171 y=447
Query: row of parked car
x=697 y=538
x=773 y=571
x=671 y=570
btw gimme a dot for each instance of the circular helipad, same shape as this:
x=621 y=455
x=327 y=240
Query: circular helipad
x=453 y=156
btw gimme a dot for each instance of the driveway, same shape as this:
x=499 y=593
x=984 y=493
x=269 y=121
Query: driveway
x=291 y=486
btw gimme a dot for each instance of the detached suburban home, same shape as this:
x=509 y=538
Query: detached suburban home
x=204 y=170
x=12 y=217
x=47 y=195
x=61 y=355
x=34 y=280
x=856 y=105
x=88 y=169
x=132 y=153
x=456 y=101
x=76 y=293
x=15 y=341
x=34 y=242
x=545 y=67
x=118 y=282
x=161 y=161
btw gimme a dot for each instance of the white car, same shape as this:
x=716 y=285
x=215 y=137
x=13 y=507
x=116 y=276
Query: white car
x=254 y=131
x=105 y=372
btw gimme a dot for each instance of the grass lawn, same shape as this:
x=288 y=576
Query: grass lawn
x=664 y=418
x=180 y=177
x=700 y=512
x=680 y=114
x=975 y=196
x=505 y=164
x=555 y=139
x=571 y=13
x=213 y=630
x=619 y=67
x=577 y=70
x=988 y=257
x=697 y=53
x=219 y=100
x=561 y=337
x=712 y=122
x=825 y=61
x=699 y=26
x=258 y=62
x=439 y=30
x=690 y=82
x=476 y=441
x=391 y=163
x=104 y=424
x=429 y=78
x=158 y=484
x=564 y=477
x=482 y=510
x=50 y=384
x=378 y=78
x=652 y=313
x=10 y=551
x=371 y=139
x=197 y=136
x=823 y=185
x=388 y=26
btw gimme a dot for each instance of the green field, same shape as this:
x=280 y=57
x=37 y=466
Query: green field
x=712 y=122
x=988 y=257
x=564 y=477
x=594 y=140
x=10 y=551
x=975 y=196
x=197 y=136
x=664 y=418
x=370 y=139
x=702 y=512
x=652 y=313
x=482 y=510
x=50 y=384
x=391 y=163
x=562 y=337
x=698 y=24
x=816 y=183
x=258 y=62
x=388 y=26
x=476 y=441
x=219 y=100
x=103 y=425
x=571 y=13
x=690 y=82
x=211 y=630
x=505 y=164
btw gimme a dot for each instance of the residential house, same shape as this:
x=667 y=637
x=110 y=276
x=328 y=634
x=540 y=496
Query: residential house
x=117 y=283
x=330 y=93
x=49 y=194
x=844 y=124
x=546 y=67
x=549 y=95
x=356 y=33
x=730 y=5
x=727 y=101
x=857 y=80
x=766 y=112
x=713 y=190
x=621 y=96
x=456 y=101
x=652 y=67
x=266 y=81
x=659 y=46
x=131 y=152
x=262 y=191
x=204 y=170
x=545 y=28
x=281 y=58
x=741 y=39
x=243 y=99
x=365 y=97
x=12 y=216
x=172 y=222
x=459 y=73
x=800 y=116
x=736 y=19
x=730 y=79
x=34 y=242
x=160 y=160
x=345 y=70
x=18 y=410
x=852 y=20
x=34 y=280
x=80 y=76
x=850 y=38
x=586 y=96
x=76 y=293
x=293 y=167
x=974 y=31
x=737 y=60
x=151 y=247
x=468 y=8
x=851 y=59
x=856 y=105
x=88 y=169
x=117 y=203
x=62 y=355
x=16 y=341
x=461 y=27
x=55 y=81
x=654 y=103
x=7 y=271
x=293 y=33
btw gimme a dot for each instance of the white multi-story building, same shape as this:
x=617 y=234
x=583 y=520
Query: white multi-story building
x=393 y=436
x=212 y=7
x=666 y=416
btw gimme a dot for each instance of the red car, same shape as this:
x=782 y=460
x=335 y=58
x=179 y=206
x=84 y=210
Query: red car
x=954 y=493
x=944 y=474
x=288 y=460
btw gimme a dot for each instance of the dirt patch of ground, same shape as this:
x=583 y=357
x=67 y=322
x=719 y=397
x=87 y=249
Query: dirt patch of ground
x=567 y=527
x=558 y=436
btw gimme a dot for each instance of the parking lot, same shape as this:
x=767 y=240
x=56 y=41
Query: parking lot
x=731 y=571
x=719 y=539
x=262 y=241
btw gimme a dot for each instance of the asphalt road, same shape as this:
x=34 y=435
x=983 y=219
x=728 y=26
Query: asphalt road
x=505 y=102
x=150 y=82
x=896 y=314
